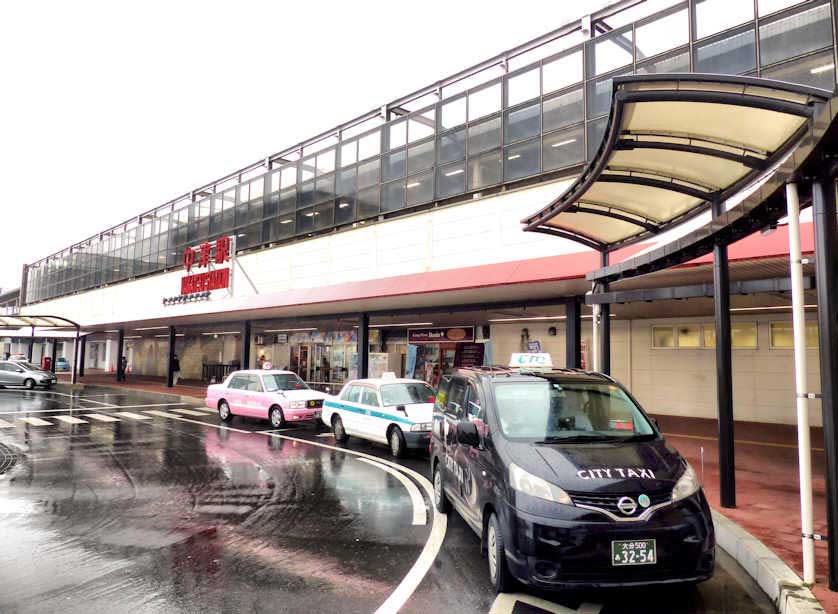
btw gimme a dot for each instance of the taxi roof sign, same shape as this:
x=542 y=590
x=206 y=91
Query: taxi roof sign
x=527 y=360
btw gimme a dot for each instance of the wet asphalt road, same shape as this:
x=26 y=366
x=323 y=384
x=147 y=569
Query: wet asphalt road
x=114 y=501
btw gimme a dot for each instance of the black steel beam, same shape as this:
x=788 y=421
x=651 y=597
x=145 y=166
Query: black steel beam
x=244 y=357
x=82 y=352
x=744 y=159
x=616 y=215
x=724 y=378
x=170 y=372
x=753 y=286
x=564 y=234
x=777 y=105
x=605 y=326
x=31 y=343
x=363 y=345
x=661 y=184
x=120 y=343
x=52 y=356
x=573 y=333
x=826 y=252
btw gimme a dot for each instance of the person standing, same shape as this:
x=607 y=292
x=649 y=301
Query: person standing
x=175 y=370
x=123 y=367
x=260 y=362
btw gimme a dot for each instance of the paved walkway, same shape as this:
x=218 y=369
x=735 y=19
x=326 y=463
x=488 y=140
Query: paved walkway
x=767 y=487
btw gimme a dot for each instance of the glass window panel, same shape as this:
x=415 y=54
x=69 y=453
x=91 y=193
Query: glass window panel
x=766 y=7
x=666 y=33
x=713 y=16
x=484 y=135
x=674 y=63
x=349 y=153
x=271 y=204
x=522 y=159
x=523 y=86
x=289 y=176
x=562 y=72
x=286 y=227
x=484 y=170
x=817 y=70
x=563 y=148
x=420 y=188
x=345 y=210
x=307 y=168
x=599 y=95
x=732 y=55
x=420 y=157
x=781 y=334
x=255 y=211
x=306 y=194
x=453 y=113
x=596 y=130
x=611 y=51
x=326 y=161
x=257 y=188
x=663 y=337
x=451 y=180
x=275 y=181
x=305 y=220
x=392 y=196
x=452 y=146
x=743 y=335
x=325 y=188
x=522 y=124
x=421 y=126
x=346 y=181
x=795 y=35
x=367 y=174
x=288 y=200
x=324 y=216
x=369 y=145
x=392 y=165
x=563 y=110
x=367 y=203
x=398 y=134
x=689 y=336
x=483 y=102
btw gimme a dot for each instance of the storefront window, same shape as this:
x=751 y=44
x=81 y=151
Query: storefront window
x=663 y=337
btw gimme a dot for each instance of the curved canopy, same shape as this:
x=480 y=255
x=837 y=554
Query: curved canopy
x=674 y=145
x=18 y=320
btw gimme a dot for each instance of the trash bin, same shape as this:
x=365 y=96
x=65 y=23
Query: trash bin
x=46 y=363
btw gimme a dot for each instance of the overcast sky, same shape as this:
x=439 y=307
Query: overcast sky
x=108 y=109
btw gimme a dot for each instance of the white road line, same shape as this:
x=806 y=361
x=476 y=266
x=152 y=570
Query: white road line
x=101 y=417
x=70 y=419
x=190 y=412
x=505 y=604
x=206 y=410
x=165 y=414
x=420 y=512
x=72 y=396
x=426 y=559
x=35 y=421
x=133 y=416
x=6 y=425
x=52 y=411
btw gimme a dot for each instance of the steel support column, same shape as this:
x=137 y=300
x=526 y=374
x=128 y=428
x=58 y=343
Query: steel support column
x=120 y=347
x=724 y=376
x=170 y=373
x=52 y=356
x=244 y=359
x=826 y=251
x=573 y=333
x=81 y=356
x=31 y=343
x=605 y=325
x=74 y=370
x=363 y=345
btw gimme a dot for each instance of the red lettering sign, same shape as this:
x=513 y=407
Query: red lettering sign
x=188 y=258
x=204 y=254
x=222 y=250
x=200 y=282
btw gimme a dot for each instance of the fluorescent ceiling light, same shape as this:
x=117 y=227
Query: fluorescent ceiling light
x=457 y=172
x=528 y=319
x=312 y=213
x=285 y=221
x=241 y=235
x=561 y=143
x=286 y=330
x=111 y=331
x=515 y=157
x=820 y=69
x=164 y=336
x=135 y=336
x=226 y=332
x=340 y=206
x=152 y=328
x=402 y=324
x=770 y=308
x=413 y=184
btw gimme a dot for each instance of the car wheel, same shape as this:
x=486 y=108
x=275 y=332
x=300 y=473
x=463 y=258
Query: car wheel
x=224 y=412
x=397 y=445
x=441 y=502
x=29 y=384
x=338 y=430
x=276 y=417
x=498 y=571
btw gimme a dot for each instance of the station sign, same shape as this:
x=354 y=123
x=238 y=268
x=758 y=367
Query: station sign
x=441 y=334
x=197 y=285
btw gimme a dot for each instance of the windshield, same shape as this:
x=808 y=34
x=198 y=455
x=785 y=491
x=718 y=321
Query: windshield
x=283 y=381
x=553 y=411
x=407 y=393
x=27 y=365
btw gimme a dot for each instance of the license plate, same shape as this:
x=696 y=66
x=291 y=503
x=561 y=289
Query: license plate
x=635 y=552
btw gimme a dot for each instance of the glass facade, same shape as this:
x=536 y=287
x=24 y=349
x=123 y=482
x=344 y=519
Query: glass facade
x=541 y=119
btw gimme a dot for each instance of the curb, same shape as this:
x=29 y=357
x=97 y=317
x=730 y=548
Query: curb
x=181 y=397
x=774 y=577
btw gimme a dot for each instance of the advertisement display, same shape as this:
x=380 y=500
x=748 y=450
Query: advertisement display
x=441 y=334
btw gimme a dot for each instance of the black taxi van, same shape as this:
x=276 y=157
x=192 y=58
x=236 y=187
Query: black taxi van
x=566 y=480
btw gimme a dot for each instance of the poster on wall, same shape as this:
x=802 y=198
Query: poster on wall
x=469 y=355
x=410 y=361
x=378 y=363
x=583 y=361
x=441 y=334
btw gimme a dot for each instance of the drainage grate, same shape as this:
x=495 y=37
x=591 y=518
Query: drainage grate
x=8 y=458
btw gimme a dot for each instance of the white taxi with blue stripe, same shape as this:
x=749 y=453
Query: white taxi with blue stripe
x=390 y=410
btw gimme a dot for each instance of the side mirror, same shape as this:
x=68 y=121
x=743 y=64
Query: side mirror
x=467 y=434
x=401 y=409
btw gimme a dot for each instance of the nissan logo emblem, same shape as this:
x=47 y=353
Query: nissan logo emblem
x=627 y=505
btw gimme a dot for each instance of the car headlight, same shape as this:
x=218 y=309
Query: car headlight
x=298 y=404
x=686 y=486
x=534 y=486
x=421 y=426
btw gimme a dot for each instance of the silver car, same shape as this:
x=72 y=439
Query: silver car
x=21 y=373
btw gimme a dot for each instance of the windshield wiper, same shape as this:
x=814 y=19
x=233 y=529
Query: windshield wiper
x=578 y=438
x=644 y=437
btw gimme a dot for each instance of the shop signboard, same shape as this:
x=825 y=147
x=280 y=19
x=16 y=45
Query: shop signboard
x=195 y=286
x=441 y=334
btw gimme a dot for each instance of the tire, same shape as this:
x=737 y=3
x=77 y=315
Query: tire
x=29 y=384
x=397 y=444
x=224 y=412
x=498 y=571
x=338 y=430
x=441 y=502
x=276 y=417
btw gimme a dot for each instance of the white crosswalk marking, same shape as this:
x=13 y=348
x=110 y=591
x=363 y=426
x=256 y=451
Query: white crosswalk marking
x=102 y=417
x=132 y=415
x=6 y=425
x=190 y=412
x=162 y=414
x=70 y=419
x=36 y=422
